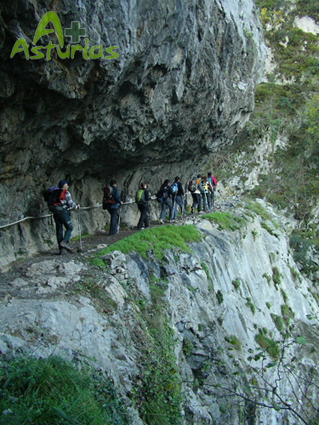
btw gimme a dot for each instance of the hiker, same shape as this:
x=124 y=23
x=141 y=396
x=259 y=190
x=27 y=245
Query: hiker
x=114 y=203
x=178 y=198
x=164 y=196
x=206 y=194
x=213 y=183
x=142 y=198
x=196 y=195
x=62 y=216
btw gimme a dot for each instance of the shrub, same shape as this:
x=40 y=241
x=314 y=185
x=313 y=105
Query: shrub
x=270 y=346
x=250 y=304
x=236 y=283
x=234 y=341
x=220 y=297
x=53 y=391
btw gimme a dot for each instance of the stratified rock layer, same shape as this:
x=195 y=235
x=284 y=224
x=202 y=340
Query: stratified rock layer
x=219 y=297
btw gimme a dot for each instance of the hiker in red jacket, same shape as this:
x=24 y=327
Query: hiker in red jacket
x=62 y=216
x=213 y=183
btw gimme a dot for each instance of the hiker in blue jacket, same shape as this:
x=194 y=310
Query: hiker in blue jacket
x=113 y=207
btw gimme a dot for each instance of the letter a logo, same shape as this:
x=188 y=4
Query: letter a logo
x=53 y=18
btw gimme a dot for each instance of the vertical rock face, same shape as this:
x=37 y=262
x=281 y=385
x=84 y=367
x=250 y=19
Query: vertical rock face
x=181 y=88
x=235 y=301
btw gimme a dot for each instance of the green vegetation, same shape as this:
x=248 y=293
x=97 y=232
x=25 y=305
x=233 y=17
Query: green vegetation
x=225 y=221
x=267 y=277
x=234 y=341
x=270 y=346
x=236 y=283
x=278 y=321
x=187 y=347
x=286 y=116
x=157 y=240
x=276 y=276
x=303 y=242
x=268 y=305
x=53 y=391
x=220 y=297
x=157 y=393
x=287 y=314
x=250 y=304
x=206 y=269
x=96 y=291
x=83 y=236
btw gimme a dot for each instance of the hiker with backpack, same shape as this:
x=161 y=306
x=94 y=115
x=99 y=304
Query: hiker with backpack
x=178 y=196
x=213 y=183
x=196 y=189
x=111 y=203
x=164 y=196
x=206 y=194
x=142 y=198
x=60 y=209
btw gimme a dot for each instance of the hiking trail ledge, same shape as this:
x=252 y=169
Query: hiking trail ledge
x=229 y=302
x=181 y=88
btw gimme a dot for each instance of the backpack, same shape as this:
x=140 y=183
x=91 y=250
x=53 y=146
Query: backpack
x=107 y=197
x=140 y=196
x=192 y=185
x=213 y=181
x=174 y=188
x=52 y=195
x=160 y=196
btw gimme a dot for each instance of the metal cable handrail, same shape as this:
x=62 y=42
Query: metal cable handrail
x=51 y=214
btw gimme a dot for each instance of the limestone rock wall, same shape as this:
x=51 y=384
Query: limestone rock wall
x=181 y=88
x=219 y=297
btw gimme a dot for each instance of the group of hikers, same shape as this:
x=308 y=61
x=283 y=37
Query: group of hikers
x=171 y=196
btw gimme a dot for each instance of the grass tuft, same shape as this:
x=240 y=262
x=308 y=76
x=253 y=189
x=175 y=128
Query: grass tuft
x=158 y=240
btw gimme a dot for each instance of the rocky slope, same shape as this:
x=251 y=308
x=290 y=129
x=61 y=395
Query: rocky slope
x=181 y=88
x=232 y=292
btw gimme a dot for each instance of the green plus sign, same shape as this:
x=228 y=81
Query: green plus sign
x=75 y=32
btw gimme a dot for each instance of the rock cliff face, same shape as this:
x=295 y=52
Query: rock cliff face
x=178 y=86
x=233 y=294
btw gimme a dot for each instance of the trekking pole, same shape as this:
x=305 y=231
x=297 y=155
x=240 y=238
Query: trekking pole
x=119 y=221
x=79 y=224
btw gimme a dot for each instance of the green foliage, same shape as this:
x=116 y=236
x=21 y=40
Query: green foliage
x=270 y=346
x=96 y=290
x=287 y=314
x=206 y=269
x=157 y=393
x=284 y=295
x=187 y=346
x=279 y=323
x=257 y=208
x=234 y=341
x=220 y=297
x=225 y=221
x=250 y=304
x=158 y=240
x=302 y=242
x=53 y=391
x=276 y=276
x=236 y=283
x=268 y=305
x=289 y=110
x=308 y=8
x=267 y=277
